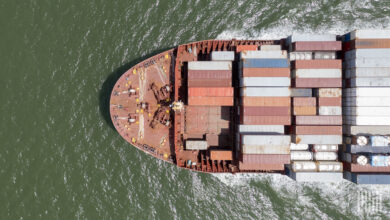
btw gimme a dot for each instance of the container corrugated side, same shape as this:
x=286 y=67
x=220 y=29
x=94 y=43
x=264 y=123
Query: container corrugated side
x=366 y=44
x=211 y=101
x=277 y=140
x=369 y=34
x=366 y=62
x=316 y=73
x=266 y=63
x=367 y=130
x=316 y=46
x=265 y=149
x=221 y=155
x=240 y=48
x=266 y=120
x=329 y=101
x=363 y=178
x=367 y=101
x=355 y=149
x=367 y=82
x=367 y=111
x=356 y=168
x=266 y=158
x=301 y=92
x=304 y=101
x=209 y=83
x=259 y=54
x=265 y=101
x=317 y=82
x=266 y=91
x=209 y=74
x=367 y=72
x=265 y=72
x=265 y=81
x=265 y=111
x=210 y=65
x=329 y=110
x=367 y=92
x=277 y=129
x=210 y=91
x=222 y=55
x=266 y=47
x=366 y=120
x=318 y=130
x=304 y=110
x=318 y=139
x=310 y=37
x=367 y=53
x=262 y=167
x=322 y=177
x=317 y=64
x=318 y=120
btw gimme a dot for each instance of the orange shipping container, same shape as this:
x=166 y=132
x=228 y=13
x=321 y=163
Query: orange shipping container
x=210 y=91
x=240 y=48
x=266 y=72
x=266 y=101
x=367 y=44
x=304 y=101
x=317 y=64
x=305 y=110
x=265 y=120
x=221 y=155
x=329 y=101
x=211 y=101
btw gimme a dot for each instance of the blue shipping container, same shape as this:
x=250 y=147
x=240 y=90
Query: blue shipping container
x=379 y=161
x=266 y=63
x=364 y=178
x=347 y=37
x=354 y=149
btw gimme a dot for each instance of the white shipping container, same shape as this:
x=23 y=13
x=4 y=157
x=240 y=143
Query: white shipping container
x=327 y=156
x=270 y=47
x=318 y=139
x=360 y=82
x=261 y=54
x=317 y=177
x=299 y=146
x=367 y=72
x=266 y=91
x=210 y=65
x=329 y=110
x=367 y=111
x=222 y=55
x=328 y=92
x=301 y=155
x=326 y=147
x=310 y=37
x=265 y=149
x=316 y=73
x=322 y=55
x=370 y=34
x=367 y=53
x=274 y=140
x=300 y=56
x=196 y=145
x=364 y=130
x=366 y=101
x=301 y=166
x=367 y=62
x=366 y=120
x=367 y=92
x=265 y=81
x=329 y=166
x=261 y=128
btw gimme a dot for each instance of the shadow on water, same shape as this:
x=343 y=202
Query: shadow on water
x=108 y=85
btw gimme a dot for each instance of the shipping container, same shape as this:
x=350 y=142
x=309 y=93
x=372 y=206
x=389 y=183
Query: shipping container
x=328 y=92
x=327 y=156
x=366 y=44
x=368 y=82
x=265 y=111
x=210 y=65
x=265 y=101
x=310 y=37
x=260 y=54
x=316 y=46
x=367 y=178
x=210 y=91
x=317 y=82
x=266 y=158
x=210 y=83
x=265 y=120
x=325 y=101
x=301 y=92
x=318 y=120
x=326 y=147
x=300 y=56
x=329 y=110
x=222 y=55
x=304 y=110
x=260 y=167
x=367 y=72
x=294 y=146
x=318 y=139
x=196 y=145
x=318 y=130
x=275 y=129
x=266 y=91
x=277 y=140
x=317 y=177
x=320 y=55
x=366 y=149
x=304 y=101
x=265 y=72
x=240 y=48
x=270 y=47
x=366 y=92
x=329 y=166
x=265 y=149
x=367 y=130
x=301 y=155
x=317 y=64
x=266 y=63
x=366 y=62
x=211 y=101
x=366 y=120
x=304 y=166
x=209 y=74
x=265 y=81
x=356 y=168
x=221 y=155
x=316 y=73
x=369 y=34
x=367 y=53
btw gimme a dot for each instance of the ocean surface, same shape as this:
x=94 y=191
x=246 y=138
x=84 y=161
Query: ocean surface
x=60 y=158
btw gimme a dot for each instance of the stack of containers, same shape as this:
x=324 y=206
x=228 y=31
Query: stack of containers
x=264 y=110
x=316 y=107
x=366 y=102
x=210 y=82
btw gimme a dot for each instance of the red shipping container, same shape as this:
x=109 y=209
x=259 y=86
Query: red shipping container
x=317 y=64
x=240 y=48
x=317 y=83
x=260 y=167
x=265 y=111
x=366 y=44
x=351 y=167
x=319 y=120
x=304 y=101
x=329 y=101
x=266 y=72
x=316 y=46
x=266 y=101
x=210 y=91
x=209 y=74
x=211 y=101
x=266 y=158
x=265 y=120
x=221 y=155
x=318 y=130
x=210 y=83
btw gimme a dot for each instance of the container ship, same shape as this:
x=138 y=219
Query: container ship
x=315 y=107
